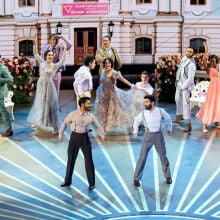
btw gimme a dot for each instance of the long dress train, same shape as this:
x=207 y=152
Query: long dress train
x=210 y=110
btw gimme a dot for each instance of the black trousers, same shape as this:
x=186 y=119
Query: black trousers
x=76 y=142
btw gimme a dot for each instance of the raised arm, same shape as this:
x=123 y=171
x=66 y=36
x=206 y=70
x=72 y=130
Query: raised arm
x=60 y=63
x=205 y=55
x=36 y=54
x=68 y=42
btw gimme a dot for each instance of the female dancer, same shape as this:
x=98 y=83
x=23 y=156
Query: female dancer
x=210 y=110
x=44 y=111
x=112 y=105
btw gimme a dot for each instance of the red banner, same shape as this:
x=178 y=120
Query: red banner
x=85 y=9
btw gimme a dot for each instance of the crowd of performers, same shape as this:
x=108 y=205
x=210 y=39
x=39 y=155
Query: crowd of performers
x=115 y=110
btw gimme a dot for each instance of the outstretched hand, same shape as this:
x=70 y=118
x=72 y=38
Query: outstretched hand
x=205 y=46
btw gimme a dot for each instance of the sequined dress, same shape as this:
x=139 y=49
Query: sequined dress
x=113 y=106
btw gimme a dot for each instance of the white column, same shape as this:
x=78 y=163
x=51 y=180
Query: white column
x=125 y=7
x=46 y=6
x=2 y=7
x=176 y=6
x=9 y=6
x=125 y=42
x=164 y=6
x=44 y=33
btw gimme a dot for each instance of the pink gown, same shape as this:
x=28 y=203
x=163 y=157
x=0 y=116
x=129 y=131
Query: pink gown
x=210 y=110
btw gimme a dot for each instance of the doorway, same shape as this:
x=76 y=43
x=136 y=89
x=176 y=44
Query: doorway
x=85 y=44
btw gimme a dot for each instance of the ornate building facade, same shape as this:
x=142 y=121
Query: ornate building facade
x=142 y=30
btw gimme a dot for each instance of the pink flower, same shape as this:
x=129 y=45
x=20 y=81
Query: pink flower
x=21 y=87
x=14 y=86
x=25 y=86
x=17 y=71
x=173 y=68
x=31 y=94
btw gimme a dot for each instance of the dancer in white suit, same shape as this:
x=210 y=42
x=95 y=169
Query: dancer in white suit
x=184 y=85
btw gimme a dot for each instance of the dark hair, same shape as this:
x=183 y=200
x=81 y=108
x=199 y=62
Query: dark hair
x=88 y=59
x=83 y=100
x=110 y=60
x=54 y=35
x=213 y=56
x=211 y=61
x=150 y=97
x=106 y=36
x=146 y=73
x=46 y=52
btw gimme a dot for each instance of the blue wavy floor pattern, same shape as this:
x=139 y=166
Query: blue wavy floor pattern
x=32 y=166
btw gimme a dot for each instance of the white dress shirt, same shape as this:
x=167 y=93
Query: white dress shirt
x=147 y=89
x=152 y=120
x=83 y=80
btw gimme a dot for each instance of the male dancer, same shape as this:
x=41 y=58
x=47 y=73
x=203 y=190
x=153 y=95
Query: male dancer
x=152 y=117
x=80 y=121
x=83 y=78
x=108 y=51
x=184 y=85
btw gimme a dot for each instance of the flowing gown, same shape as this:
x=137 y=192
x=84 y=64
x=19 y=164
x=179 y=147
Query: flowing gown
x=210 y=110
x=114 y=107
x=45 y=108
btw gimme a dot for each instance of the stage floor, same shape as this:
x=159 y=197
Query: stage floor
x=32 y=167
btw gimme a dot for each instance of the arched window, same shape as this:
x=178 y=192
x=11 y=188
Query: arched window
x=143 y=45
x=26 y=48
x=197 y=2
x=197 y=45
x=23 y=3
x=143 y=1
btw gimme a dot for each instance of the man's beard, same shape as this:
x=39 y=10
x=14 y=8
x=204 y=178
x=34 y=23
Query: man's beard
x=149 y=107
x=87 y=109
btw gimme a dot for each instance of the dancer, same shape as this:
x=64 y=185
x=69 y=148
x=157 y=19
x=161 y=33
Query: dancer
x=5 y=78
x=57 y=48
x=83 y=78
x=144 y=85
x=80 y=121
x=152 y=118
x=210 y=110
x=143 y=88
x=108 y=51
x=44 y=111
x=112 y=104
x=184 y=85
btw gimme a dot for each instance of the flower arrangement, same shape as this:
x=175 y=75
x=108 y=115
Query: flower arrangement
x=165 y=73
x=22 y=71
